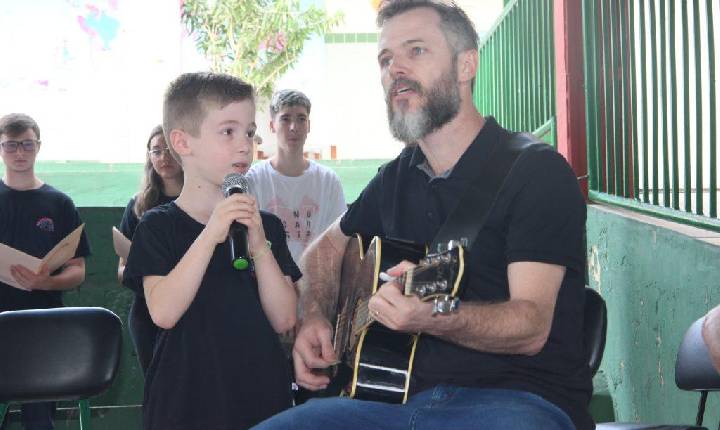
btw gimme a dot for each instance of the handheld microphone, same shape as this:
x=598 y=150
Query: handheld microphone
x=237 y=235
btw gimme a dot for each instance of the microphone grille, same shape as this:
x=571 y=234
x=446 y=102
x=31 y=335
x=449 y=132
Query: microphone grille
x=234 y=181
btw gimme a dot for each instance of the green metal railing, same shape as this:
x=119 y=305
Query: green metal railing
x=651 y=106
x=516 y=74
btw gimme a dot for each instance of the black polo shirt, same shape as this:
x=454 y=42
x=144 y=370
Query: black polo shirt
x=539 y=216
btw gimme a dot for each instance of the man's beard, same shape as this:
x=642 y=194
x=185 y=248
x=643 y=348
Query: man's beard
x=441 y=106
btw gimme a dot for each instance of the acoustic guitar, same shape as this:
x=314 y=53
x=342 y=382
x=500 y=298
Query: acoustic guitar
x=375 y=363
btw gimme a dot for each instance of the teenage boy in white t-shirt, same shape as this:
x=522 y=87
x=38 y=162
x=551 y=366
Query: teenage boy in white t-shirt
x=306 y=196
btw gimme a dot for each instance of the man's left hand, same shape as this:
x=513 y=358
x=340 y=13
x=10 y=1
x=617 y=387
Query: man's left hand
x=30 y=280
x=390 y=307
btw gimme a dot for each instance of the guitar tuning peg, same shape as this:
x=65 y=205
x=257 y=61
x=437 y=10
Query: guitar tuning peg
x=442 y=285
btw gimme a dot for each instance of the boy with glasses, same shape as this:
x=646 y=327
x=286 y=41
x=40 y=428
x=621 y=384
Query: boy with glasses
x=34 y=217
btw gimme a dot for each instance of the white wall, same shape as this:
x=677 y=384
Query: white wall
x=96 y=96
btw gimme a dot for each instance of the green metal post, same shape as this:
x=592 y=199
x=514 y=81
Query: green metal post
x=633 y=102
x=655 y=103
x=621 y=113
x=674 y=122
x=608 y=99
x=686 y=106
x=698 y=112
x=713 y=113
x=663 y=111
x=589 y=32
x=3 y=411
x=644 y=107
x=85 y=416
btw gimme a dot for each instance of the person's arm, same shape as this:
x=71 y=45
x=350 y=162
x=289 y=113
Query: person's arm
x=168 y=297
x=71 y=275
x=128 y=224
x=320 y=264
x=121 y=268
x=520 y=325
x=711 y=335
x=277 y=293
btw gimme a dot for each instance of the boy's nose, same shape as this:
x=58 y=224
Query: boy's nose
x=244 y=144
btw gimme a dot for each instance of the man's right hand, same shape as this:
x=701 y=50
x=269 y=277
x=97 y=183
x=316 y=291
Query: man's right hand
x=313 y=351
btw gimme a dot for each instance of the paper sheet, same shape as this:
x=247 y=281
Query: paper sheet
x=59 y=255
x=121 y=244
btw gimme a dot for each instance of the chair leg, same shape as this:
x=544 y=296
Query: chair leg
x=85 y=418
x=3 y=410
x=701 y=408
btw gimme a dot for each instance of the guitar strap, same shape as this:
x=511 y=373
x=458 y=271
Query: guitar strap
x=469 y=216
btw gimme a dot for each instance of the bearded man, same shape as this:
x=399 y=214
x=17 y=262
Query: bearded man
x=510 y=356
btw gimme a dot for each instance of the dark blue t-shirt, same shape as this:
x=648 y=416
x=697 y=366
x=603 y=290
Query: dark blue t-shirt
x=221 y=366
x=129 y=221
x=538 y=216
x=34 y=221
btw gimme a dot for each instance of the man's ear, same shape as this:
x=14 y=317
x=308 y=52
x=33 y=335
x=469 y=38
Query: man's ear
x=467 y=65
x=179 y=142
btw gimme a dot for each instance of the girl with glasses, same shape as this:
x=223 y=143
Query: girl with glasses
x=161 y=184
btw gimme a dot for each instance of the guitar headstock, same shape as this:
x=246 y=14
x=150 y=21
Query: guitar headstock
x=436 y=274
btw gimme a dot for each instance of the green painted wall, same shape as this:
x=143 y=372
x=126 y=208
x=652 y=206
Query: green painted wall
x=656 y=282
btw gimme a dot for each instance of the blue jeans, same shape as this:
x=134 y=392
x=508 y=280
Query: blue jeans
x=442 y=407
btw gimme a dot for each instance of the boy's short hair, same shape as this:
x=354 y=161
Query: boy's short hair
x=190 y=95
x=287 y=98
x=15 y=124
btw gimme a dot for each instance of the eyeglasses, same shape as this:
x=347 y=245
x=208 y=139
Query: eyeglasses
x=157 y=152
x=28 y=145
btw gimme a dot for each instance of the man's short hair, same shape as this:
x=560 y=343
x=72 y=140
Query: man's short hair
x=458 y=29
x=15 y=124
x=288 y=98
x=191 y=95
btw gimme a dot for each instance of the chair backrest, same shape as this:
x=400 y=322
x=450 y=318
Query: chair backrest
x=57 y=354
x=694 y=370
x=594 y=328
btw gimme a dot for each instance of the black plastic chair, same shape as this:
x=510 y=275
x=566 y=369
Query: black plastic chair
x=594 y=328
x=693 y=372
x=58 y=354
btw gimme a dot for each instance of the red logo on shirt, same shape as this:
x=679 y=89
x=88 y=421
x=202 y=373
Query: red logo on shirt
x=45 y=224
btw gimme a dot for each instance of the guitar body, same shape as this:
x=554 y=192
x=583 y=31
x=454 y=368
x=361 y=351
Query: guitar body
x=383 y=371
x=378 y=361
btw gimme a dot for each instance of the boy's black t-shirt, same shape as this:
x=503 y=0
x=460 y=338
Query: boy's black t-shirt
x=539 y=216
x=34 y=221
x=221 y=366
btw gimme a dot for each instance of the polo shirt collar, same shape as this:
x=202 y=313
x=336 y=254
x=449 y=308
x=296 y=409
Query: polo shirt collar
x=478 y=150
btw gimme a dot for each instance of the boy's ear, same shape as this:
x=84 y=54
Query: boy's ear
x=179 y=142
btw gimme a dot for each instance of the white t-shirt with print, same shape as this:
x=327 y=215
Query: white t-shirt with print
x=306 y=204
